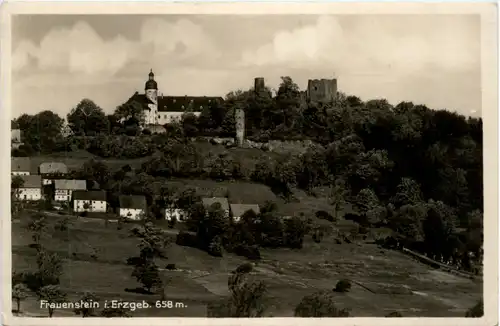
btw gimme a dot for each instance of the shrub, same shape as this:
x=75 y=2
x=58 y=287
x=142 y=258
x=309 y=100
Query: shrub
x=249 y=252
x=343 y=286
x=170 y=267
x=244 y=268
x=187 y=239
x=135 y=261
x=215 y=249
x=394 y=314
x=324 y=215
x=477 y=311
x=319 y=304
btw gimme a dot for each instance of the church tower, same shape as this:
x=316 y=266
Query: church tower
x=151 y=90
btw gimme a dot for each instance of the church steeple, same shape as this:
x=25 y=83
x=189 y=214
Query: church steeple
x=151 y=83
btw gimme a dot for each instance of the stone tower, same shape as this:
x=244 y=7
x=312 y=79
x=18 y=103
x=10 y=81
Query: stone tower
x=259 y=84
x=239 y=118
x=321 y=90
x=151 y=91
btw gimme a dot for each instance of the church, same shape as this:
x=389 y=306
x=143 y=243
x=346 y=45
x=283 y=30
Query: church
x=160 y=110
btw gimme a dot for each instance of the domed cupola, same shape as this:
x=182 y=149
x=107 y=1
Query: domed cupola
x=151 y=83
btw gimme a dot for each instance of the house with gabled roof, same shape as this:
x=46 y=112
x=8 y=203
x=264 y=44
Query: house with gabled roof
x=64 y=188
x=20 y=166
x=89 y=201
x=237 y=210
x=208 y=202
x=132 y=206
x=52 y=170
x=31 y=188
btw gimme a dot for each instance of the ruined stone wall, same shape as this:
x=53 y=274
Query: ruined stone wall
x=321 y=90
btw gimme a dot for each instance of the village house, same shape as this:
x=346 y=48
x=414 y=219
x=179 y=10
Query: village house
x=132 y=207
x=237 y=210
x=20 y=166
x=207 y=202
x=31 y=188
x=89 y=201
x=64 y=188
x=15 y=138
x=51 y=170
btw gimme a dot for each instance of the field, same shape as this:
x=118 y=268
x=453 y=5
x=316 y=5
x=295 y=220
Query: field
x=383 y=281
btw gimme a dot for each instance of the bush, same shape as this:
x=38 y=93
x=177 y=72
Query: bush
x=324 y=215
x=394 y=314
x=244 y=268
x=343 y=286
x=477 y=311
x=187 y=239
x=249 y=252
x=135 y=261
x=170 y=267
x=215 y=249
x=320 y=304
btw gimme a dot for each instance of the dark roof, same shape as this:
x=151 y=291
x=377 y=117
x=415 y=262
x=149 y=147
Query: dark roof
x=207 y=202
x=134 y=201
x=71 y=184
x=176 y=103
x=20 y=164
x=151 y=83
x=31 y=181
x=53 y=167
x=186 y=103
x=239 y=209
x=89 y=195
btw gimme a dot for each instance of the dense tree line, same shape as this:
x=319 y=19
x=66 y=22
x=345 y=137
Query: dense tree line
x=416 y=170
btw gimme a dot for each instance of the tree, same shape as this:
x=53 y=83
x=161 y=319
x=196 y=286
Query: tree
x=19 y=293
x=51 y=294
x=50 y=267
x=41 y=131
x=319 y=304
x=246 y=299
x=87 y=118
x=37 y=226
x=87 y=311
x=148 y=275
x=131 y=109
x=408 y=193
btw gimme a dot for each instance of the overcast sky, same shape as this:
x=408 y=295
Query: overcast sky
x=427 y=59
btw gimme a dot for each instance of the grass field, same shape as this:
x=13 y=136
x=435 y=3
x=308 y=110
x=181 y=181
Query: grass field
x=384 y=281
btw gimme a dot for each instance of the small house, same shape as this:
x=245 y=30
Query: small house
x=20 y=166
x=132 y=207
x=89 y=201
x=64 y=188
x=51 y=170
x=208 y=202
x=237 y=210
x=31 y=188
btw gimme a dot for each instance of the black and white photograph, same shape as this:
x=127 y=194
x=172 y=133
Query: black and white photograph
x=250 y=161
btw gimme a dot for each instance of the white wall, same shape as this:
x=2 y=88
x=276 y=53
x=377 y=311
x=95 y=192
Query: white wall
x=175 y=213
x=134 y=213
x=29 y=193
x=19 y=173
x=95 y=205
x=170 y=117
x=47 y=181
x=63 y=195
